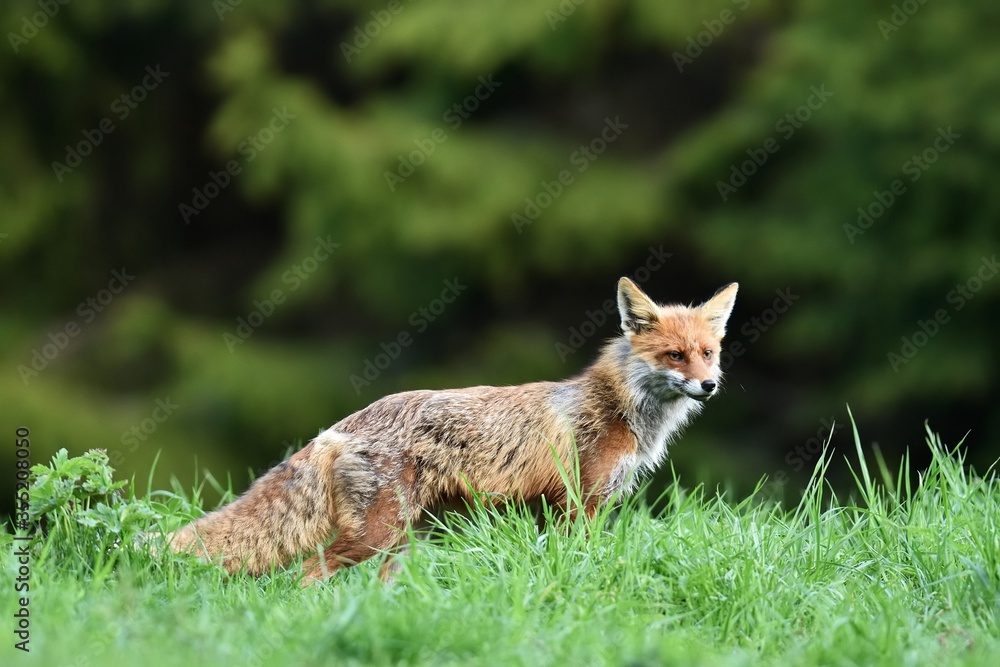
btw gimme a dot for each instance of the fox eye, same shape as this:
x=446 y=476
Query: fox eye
x=675 y=355
x=708 y=355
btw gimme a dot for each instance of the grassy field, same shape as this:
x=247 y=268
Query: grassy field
x=894 y=574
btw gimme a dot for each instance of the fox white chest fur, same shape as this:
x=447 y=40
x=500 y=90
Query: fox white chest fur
x=656 y=431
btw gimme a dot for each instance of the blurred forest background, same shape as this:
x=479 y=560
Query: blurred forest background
x=216 y=216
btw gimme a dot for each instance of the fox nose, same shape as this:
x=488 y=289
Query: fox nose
x=708 y=385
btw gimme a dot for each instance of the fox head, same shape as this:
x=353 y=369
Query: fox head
x=675 y=349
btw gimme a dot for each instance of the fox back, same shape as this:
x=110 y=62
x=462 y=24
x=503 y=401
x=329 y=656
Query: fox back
x=357 y=486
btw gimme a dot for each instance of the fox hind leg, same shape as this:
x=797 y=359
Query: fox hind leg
x=382 y=529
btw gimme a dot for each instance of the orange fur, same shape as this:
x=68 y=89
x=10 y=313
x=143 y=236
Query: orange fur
x=352 y=491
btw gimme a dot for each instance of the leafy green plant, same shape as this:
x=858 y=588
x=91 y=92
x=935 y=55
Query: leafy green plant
x=67 y=483
x=84 y=515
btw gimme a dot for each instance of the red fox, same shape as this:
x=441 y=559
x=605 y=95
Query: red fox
x=368 y=477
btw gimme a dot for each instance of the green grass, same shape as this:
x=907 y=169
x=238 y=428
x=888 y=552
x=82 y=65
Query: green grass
x=896 y=574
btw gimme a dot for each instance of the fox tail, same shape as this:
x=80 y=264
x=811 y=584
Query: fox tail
x=297 y=506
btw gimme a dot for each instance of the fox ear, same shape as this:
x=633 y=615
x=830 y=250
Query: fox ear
x=637 y=310
x=717 y=309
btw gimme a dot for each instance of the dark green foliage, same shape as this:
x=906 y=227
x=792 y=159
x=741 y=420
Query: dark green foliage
x=552 y=82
